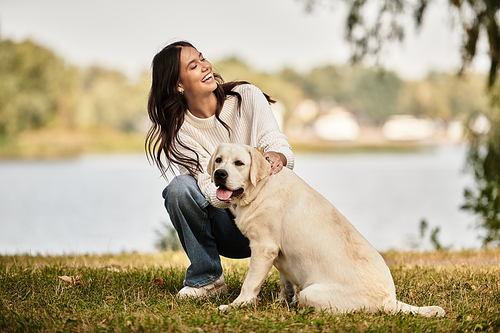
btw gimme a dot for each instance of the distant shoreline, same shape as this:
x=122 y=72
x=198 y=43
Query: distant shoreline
x=57 y=144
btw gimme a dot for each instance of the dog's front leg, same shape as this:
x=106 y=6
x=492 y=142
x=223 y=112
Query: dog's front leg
x=261 y=262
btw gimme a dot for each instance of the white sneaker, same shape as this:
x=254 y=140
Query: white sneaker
x=214 y=288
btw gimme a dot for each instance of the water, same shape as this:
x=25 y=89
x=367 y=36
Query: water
x=112 y=203
x=94 y=204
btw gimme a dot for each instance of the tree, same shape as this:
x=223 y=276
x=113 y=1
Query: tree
x=363 y=89
x=445 y=97
x=368 y=34
x=35 y=87
x=483 y=161
x=108 y=99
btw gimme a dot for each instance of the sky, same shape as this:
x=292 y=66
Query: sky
x=267 y=34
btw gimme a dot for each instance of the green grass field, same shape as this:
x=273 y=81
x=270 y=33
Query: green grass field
x=136 y=292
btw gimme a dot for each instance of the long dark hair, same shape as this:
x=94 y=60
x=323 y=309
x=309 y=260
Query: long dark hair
x=166 y=109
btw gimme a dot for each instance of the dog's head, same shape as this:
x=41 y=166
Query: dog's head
x=235 y=169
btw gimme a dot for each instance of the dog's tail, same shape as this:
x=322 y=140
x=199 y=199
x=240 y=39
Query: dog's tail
x=426 y=311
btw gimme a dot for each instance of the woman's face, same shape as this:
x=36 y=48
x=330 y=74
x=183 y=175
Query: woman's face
x=196 y=76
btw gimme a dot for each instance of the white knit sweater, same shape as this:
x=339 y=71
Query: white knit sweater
x=254 y=125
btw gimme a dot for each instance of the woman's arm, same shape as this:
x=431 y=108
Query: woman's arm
x=270 y=139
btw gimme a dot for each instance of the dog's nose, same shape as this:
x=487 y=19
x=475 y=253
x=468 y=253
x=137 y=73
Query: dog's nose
x=220 y=174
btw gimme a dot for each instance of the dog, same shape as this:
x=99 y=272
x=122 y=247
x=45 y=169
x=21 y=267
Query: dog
x=313 y=246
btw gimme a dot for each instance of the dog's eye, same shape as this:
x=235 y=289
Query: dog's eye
x=239 y=163
x=218 y=160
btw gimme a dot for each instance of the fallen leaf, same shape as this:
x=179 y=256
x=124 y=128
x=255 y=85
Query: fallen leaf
x=159 y=282
x=74 y=281
x=105 y=321
x=78 y=280
x=69 y=279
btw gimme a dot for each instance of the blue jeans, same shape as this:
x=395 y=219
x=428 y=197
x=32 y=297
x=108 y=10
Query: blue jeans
x=205 y=232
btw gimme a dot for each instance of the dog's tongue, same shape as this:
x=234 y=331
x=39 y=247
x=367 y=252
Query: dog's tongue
x=223 y=194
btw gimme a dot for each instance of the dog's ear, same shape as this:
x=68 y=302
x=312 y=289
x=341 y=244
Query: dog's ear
x=260 y=167
x=210 y=167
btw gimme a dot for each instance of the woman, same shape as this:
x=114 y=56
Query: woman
x=192 y=111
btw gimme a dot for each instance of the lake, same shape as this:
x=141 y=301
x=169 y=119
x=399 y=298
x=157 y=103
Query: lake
x=112 y=203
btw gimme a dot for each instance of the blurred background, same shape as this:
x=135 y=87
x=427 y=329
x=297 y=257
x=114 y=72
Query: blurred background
x=385 y=138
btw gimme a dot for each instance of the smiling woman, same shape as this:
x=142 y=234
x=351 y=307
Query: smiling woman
x=193 y=111
x=197 y=83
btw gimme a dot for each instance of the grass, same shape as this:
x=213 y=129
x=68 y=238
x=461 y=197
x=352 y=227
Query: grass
x=136 y=292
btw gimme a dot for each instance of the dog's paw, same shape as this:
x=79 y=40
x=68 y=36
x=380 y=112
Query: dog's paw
x=245 y=301
x=239 y=302
x=432 y=311
x=223 y=307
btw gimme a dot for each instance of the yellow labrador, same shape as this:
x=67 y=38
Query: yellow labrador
x=294 y=228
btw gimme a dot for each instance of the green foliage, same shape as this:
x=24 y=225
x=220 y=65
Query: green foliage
x=434 y=238
x=433 y=235
x=483 y=162
x=371 y=25
x=167 y=239
x=35 y=85
x=367 y=91
x=378 y=95
x=445 y=96
x=37 y=89
x=107 y=98
x=123 y=293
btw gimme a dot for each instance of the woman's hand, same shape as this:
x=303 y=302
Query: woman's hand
x=277 y=160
